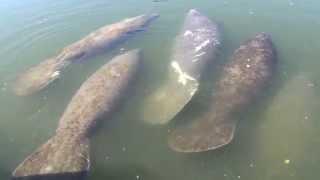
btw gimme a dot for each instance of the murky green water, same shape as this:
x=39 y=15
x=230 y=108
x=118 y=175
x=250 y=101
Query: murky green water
x=276 y=139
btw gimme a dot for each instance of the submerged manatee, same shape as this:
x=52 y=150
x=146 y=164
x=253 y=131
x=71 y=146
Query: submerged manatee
x=242 y=80
x=195 y=46
x=41 y=75
x=67 y=152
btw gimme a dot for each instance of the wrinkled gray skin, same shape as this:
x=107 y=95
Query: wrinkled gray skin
x=68 y=150
x=242 y=80
x=105 y=38
x=196 y=45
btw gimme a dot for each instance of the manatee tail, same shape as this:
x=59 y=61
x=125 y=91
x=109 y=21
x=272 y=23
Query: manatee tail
x=57 y=158
x=162 y=105
x=38 y=77
x=203 y=135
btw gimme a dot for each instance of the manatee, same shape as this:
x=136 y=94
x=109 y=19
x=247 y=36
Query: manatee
x=197 y=44
x=40 y=76
x=67 y=152
x=242 y=80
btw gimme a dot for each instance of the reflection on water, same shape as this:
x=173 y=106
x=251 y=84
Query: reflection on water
x=277 y=140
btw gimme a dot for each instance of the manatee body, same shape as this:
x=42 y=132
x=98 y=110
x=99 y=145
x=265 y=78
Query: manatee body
x=196 y=45
x=105 y=38
x=242 y=80
x=67 y=152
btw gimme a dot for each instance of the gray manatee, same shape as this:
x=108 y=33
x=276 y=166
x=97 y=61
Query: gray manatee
x=67 y=152
x=196 y=45
x=242 y=80
x=38 y=77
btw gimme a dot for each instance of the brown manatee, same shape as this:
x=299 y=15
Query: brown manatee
x=105 y=38
x=67 y=152
x=196 y=45
x=242 y=80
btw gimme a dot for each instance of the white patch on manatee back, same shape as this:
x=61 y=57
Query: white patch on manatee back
x=55 y=74
x=114 y=73
x=200 y=54
x=198 y=38
x=188 y=33
x=48 y=169
x=193 y=90
x=202 y=45
x=183 y=77
x=216 y=41
x=203 y=30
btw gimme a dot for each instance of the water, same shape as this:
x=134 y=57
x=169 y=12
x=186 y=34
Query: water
x=276 y=139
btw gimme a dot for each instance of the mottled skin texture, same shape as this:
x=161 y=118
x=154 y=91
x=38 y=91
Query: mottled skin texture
x=196 y=45
x=242 y=80
x=68 y=150
x=41 y=75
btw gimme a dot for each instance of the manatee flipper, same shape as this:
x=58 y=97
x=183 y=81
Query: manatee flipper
x=203 y=135
x=56 y=158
